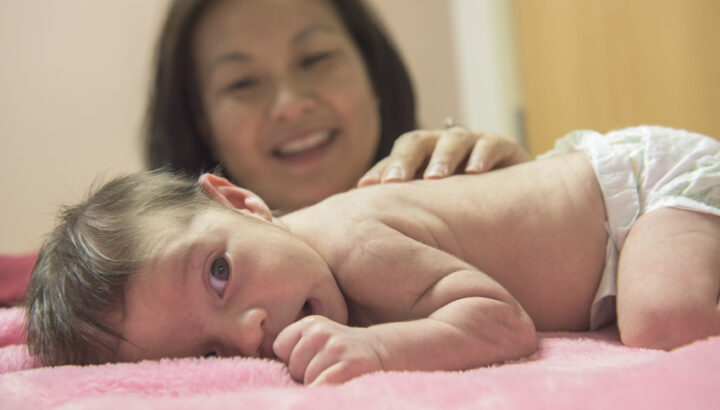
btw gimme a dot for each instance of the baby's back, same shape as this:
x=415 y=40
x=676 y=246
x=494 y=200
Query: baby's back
x=537 y=228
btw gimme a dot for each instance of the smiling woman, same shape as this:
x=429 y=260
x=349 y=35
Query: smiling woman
x=291 y=112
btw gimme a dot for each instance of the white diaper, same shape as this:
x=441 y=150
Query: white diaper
x=639 y=170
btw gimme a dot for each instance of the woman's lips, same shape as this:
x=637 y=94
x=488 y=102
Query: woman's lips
x=304 y=147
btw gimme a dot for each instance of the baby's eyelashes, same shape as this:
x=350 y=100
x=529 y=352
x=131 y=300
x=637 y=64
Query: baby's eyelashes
x=210 y=354
x=219 y=275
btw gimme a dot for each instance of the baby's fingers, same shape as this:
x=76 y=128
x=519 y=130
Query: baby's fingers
x=297 y=346
x=334 y=374
x=286 y=341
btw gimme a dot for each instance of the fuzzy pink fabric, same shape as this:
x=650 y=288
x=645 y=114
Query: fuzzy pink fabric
x=570 y=370
x=15 y=271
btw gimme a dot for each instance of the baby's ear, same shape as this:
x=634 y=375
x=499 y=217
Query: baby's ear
x=232 y=196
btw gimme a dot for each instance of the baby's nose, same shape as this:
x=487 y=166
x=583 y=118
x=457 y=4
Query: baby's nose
x=247 y=336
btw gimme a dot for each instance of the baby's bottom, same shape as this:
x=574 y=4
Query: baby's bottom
x=641 y=171
x=669 y=278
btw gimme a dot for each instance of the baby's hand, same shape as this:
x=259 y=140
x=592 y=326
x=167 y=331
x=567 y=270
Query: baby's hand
x=318 y=350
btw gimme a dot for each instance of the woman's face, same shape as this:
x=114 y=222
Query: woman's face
x=288 y=101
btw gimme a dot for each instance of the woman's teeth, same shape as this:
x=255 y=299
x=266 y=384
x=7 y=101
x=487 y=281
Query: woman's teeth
x=304 y=144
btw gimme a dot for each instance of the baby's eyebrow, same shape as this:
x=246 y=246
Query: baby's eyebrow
x=186 y=261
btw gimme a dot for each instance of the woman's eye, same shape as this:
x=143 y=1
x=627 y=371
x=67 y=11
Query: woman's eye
x=219 y=275
x=314 y=59
x=244 y=84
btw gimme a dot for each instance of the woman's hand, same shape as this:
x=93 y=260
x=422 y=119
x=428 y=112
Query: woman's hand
x=446 y=149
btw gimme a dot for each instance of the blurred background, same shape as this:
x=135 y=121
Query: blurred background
x=74 y=78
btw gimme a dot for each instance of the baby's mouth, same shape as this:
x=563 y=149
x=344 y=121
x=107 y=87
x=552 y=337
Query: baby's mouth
x=306 y=310
x=305 y=144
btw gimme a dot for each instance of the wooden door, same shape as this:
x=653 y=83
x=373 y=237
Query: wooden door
x=607 y=64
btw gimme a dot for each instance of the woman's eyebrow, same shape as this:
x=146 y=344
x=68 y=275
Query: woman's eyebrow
x=310 y=30
x=232 y=57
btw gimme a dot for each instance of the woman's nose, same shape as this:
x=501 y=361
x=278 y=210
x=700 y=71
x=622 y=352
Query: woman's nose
x=293 y=99
x=246 y=335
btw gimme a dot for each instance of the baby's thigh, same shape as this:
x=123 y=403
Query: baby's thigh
x=669 y=279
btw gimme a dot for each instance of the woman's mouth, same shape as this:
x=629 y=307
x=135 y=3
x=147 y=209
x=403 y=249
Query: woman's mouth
x=298 y=148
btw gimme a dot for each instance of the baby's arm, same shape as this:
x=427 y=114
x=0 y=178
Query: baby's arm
x=463 y=320
x=472 y=321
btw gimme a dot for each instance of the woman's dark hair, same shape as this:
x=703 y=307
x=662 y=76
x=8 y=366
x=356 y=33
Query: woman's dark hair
x=174 y=133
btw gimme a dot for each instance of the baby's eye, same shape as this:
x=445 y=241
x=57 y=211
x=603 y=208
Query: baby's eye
x=210 y=354
x=219 y=275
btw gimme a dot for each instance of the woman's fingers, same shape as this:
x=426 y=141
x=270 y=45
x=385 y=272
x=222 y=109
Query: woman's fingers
x=409 y=152
x=493 y=151
x=443 y=151
x=374 y=175
x=451 y=149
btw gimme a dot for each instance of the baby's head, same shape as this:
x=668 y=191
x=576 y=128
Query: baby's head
x=155 y=265
x=78 y=283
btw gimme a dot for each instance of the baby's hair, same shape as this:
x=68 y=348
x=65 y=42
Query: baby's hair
x=77 y=286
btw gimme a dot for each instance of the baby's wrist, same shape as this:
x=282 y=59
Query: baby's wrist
x=389 y=358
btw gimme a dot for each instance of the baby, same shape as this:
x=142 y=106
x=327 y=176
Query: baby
x=428 y=275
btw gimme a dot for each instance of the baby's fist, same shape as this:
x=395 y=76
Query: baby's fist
x=318 y=350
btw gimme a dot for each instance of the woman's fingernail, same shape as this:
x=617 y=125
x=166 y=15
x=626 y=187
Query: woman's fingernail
x=366 y=179
x=393 y=173
x=475 y=166
x=437 y=170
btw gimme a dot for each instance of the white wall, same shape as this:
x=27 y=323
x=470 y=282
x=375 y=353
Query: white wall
x=74 y=75
x=461 y=55
x=422 y=30
x=73 y=78
x=487 y=66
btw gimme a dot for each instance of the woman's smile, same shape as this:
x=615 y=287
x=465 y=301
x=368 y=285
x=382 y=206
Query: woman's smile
x=304 y=148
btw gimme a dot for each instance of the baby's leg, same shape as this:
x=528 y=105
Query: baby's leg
x=669 y=279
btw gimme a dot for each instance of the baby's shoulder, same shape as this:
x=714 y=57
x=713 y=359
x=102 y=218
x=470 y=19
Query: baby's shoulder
x=361 y=241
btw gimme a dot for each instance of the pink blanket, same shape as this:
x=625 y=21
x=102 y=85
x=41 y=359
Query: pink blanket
x=570 y=370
